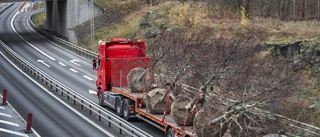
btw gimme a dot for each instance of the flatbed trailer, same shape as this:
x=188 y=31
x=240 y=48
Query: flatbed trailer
x=116 y=58
x=161 y=121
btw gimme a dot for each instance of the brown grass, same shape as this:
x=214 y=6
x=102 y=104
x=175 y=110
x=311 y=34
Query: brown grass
x=194 y=15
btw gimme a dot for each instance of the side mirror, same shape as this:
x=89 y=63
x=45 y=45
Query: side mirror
x=94 y=64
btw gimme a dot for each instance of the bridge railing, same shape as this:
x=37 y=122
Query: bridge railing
x=86 y=104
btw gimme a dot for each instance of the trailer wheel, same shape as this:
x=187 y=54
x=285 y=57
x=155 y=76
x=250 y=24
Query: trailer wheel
x=101 y=98
x=126 y=109
x=169 y=132
x=118 y=107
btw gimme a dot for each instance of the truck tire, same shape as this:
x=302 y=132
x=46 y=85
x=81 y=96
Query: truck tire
x=169 y=132
x=118 y=107
x=126 y=109
x=101 y=98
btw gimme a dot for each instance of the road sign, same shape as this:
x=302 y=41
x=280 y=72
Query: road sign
x=37 y=2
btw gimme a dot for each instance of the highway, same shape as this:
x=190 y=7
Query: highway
x=51 y=117
x=74 y=71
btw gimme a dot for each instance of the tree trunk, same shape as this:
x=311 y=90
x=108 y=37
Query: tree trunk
x=303 y=13
x=246 y=4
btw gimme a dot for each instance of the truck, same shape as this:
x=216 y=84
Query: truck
x=116 y=58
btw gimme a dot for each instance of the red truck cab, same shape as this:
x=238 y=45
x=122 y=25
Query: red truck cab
x=116 y=58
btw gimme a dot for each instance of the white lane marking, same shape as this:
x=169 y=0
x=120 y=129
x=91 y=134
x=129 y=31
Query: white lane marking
x=88 y=78
x=0 y=106
x=41 y=61
x=9 y=123
x=59 y=100
x=62 y=64
x=73 y=70
x=92 y=91
x=74 y=62
x=56 y=44
x=13 y=132
x=4 y=114
x=28 y=41
x=6 y=11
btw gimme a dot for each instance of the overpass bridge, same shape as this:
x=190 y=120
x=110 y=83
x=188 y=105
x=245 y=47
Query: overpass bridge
x=64 y=15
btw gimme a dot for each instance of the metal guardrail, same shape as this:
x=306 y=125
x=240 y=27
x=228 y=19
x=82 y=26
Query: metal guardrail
x=7 y=7
x=93 y=107
x=66 y=44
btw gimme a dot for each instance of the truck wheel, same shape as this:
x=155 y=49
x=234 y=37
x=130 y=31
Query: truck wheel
x=101 y=98
x=169 y=132
x=126 y=109
x=118 y=107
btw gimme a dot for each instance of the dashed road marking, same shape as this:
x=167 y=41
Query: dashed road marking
x=41 y=61
x=4 y=114
x=59 y=100
x=2 y=107
x=88 y=78
x=73 y=70
x=74 y=62
x=92 y=91
x=9 y=123
x=13 y=132
x=45 y=54
x=62 y=64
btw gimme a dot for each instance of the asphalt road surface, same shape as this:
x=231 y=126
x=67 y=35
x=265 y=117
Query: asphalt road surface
x=66 y=67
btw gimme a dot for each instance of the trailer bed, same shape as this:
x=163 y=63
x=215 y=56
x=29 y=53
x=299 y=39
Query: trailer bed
x=157 y=118
x=169 y=120
x=125 y=91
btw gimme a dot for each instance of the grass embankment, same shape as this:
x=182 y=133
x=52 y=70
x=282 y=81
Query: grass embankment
x=170 y=15
x=136 y=21
x=39 y=19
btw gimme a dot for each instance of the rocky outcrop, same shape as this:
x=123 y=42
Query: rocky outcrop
x=304 y=53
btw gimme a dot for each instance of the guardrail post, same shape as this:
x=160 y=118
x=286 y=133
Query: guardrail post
x=4 y=99
x=109 y=121
x=120 y=129
x=82 y=104
x=90 y=110
x=74 y=100
x=29 y=123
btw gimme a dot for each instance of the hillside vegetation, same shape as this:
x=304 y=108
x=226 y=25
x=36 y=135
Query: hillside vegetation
x=214 y=31
x=259 y=53
x=137 y=19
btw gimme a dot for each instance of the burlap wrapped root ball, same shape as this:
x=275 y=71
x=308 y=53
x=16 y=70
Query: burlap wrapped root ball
x=137 y=85
x=178 y=111
x=206 y=114
x=154 y=105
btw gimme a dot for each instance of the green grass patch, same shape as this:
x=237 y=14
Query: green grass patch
x=283 y=42
x=39 y=19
